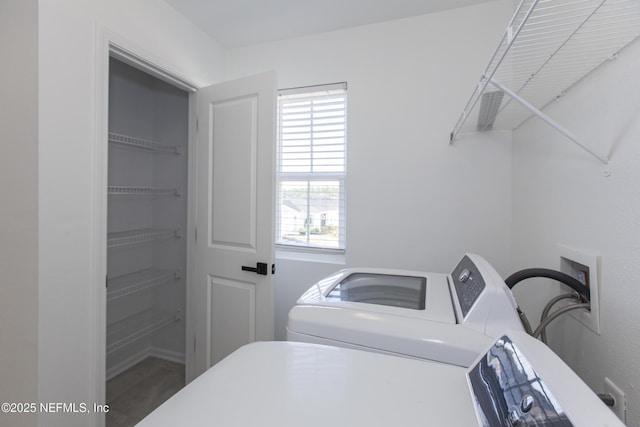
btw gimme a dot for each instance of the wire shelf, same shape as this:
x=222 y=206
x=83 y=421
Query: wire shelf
x=143 y=191
x=139 y=281
x=548 y=47
x=140 y=236
x=143 y=143
x=131 y=329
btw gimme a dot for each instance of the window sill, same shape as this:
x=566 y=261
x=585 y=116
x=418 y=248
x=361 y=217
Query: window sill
x=311 y=255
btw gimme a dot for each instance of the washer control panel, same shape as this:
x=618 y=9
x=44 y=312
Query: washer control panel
x=468 y=283
x=508 y=391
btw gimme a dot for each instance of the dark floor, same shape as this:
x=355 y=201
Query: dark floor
x=137 y=391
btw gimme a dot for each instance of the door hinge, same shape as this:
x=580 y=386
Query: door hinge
x=273 y=269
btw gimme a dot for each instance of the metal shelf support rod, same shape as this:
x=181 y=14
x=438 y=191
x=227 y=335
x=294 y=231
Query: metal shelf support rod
x=547 y=119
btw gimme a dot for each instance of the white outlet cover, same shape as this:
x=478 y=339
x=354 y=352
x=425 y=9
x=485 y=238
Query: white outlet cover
x=569 y=256
x=620 y=407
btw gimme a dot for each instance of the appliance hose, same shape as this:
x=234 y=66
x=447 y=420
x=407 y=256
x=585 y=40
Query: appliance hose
x=557 y=313
x=547 y=309
x=572 y=282
x=525 y=321
x=583 y=295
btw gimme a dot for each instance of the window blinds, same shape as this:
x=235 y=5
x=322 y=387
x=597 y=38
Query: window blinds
x=313 y=130
x=312 y=166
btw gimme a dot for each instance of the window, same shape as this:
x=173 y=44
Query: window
x=311 y=167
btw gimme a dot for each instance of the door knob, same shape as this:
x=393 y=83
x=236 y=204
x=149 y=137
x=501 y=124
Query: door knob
x=260 y=268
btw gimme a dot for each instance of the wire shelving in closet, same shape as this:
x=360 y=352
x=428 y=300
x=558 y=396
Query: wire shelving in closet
x=138 y=326
x=133 y=328
x=144 y=144
x=547 y=47
x=140 y=236
x=139 y=281
x=143 y=191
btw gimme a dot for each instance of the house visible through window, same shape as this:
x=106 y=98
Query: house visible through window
x=311 y=169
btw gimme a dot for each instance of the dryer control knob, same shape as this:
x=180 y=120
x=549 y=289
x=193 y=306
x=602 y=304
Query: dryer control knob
x=526 y=403
x=514 y=418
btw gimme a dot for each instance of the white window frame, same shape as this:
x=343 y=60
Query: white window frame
x=311 y=176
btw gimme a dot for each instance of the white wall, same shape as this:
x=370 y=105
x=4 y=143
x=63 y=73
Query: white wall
x=561 y=196
x=19 y=207
x=68 y=130
x=414 y=201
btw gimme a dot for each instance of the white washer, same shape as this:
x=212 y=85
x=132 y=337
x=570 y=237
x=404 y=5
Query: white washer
x=449 y=318
x=517 y=382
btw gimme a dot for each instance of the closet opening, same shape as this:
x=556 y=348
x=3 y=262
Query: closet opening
x=147 y=220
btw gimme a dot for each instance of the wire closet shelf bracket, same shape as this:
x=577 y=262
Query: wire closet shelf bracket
x=548 y=47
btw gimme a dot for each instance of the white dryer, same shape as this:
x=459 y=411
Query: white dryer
x=449 y=318
x=518 y=381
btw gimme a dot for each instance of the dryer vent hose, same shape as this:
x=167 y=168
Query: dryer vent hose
x=573 y=283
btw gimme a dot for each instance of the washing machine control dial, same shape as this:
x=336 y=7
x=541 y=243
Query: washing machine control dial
x=464 y=275
x=468 y=283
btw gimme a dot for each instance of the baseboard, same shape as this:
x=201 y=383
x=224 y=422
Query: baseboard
x=127 y=363
x=172 y=356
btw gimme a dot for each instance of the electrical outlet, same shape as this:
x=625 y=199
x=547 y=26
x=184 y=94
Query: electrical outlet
x=584 y=266
x=620 y=405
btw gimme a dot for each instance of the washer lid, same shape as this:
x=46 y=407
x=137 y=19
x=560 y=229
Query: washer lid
x=382 y=289
x=406 y=293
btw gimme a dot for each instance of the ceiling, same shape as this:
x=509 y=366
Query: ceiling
x=235 y=23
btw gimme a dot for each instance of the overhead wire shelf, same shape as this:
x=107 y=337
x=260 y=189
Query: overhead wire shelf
x=548 y=47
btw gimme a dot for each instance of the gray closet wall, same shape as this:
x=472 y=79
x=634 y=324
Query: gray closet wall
x=147 y=218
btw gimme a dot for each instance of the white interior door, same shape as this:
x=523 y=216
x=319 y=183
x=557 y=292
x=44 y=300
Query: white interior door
x=229 y=306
